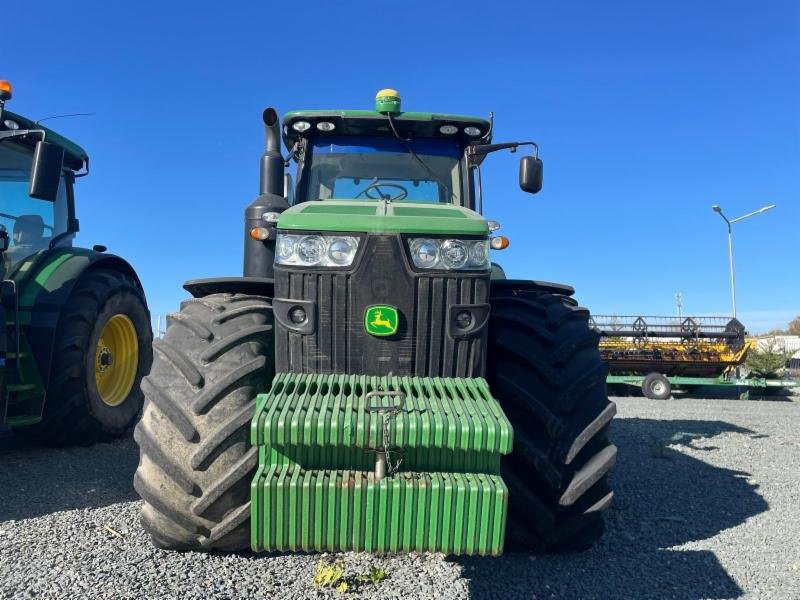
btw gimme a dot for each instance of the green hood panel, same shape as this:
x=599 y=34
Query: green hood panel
x=383 y=217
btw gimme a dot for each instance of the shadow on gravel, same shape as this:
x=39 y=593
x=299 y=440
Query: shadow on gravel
x=36 y=481
x=663 y=498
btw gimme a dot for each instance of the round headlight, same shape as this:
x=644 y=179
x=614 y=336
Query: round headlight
x=340 y=251
x=448 y=129
x=301 y=126
x=425 y=253
x=326 y=126
x=454 y=254
x=311 y=249
x=479 y=254
x=285 y=247
x=472 y=131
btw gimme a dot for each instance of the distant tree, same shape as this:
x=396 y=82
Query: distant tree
x=794 y=326
x=767 y=361
x=775 y=332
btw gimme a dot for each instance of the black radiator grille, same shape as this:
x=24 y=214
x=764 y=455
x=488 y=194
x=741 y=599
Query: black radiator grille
x=338 y=342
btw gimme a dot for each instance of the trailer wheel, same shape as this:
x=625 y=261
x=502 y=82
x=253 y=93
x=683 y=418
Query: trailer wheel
x=544 y=367
x=196 y=462
x=101 y=351
x=656 y=387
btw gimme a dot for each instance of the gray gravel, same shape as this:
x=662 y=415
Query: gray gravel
x=708 y=506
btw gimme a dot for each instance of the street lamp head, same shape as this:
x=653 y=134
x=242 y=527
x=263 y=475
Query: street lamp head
x=717 y=208
x=766 y=208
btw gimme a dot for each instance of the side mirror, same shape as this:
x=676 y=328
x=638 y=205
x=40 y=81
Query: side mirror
x=48 y=161
x=531 y=171
x=288 y=188
x=3 y=239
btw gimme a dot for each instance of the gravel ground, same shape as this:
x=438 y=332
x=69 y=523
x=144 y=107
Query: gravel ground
x=707 y=506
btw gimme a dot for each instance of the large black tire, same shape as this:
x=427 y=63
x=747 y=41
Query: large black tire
x=74 y=412
x=544 y=368
x=196 y=462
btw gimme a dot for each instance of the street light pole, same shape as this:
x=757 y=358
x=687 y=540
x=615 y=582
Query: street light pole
x=729 y=223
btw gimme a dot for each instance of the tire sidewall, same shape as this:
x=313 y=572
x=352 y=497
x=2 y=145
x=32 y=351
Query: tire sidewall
x=115 y=419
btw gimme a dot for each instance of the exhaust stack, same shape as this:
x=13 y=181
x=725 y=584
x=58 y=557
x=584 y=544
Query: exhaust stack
x=272 y=159
x=259 y=255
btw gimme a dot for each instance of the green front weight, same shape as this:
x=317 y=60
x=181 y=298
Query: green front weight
x=316 y=488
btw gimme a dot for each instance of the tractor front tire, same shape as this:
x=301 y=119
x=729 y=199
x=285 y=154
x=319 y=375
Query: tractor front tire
x=545 y=369
x=196 y=462
x=86 y=401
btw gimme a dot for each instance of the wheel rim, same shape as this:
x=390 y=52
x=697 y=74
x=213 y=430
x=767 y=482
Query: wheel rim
x=658 y=388
x=116 y=360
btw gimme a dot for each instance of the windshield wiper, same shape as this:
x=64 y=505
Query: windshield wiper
x=405 y=142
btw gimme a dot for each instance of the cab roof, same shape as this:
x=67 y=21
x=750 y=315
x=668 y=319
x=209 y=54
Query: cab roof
x=75 y=157
x=369 y=122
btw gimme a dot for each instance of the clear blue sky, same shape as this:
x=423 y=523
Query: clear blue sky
x=646 y=114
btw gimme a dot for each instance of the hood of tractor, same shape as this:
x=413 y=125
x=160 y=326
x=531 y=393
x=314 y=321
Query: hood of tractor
x=383 y=217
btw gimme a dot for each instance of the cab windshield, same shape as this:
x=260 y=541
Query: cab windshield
x=30 y=223
x=375 y=168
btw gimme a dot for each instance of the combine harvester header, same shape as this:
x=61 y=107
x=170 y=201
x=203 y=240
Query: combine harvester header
x=660 y=353
x=692 y=346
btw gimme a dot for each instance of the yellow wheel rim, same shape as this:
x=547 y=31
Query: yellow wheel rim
x=116 y=360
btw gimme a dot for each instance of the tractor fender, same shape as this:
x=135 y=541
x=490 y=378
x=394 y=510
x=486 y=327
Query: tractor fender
x=254 y=286
x=45 y=289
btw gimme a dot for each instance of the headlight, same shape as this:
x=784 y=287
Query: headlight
x=311 y=250
x=316 y=250
x=454 y=254
x=425 y=253
x=342 y=250
x=429 y=253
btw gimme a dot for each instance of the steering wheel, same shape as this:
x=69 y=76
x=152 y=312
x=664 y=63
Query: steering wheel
x=377 y=185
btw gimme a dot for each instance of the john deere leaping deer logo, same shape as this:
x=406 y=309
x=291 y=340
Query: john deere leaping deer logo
x=381 y=320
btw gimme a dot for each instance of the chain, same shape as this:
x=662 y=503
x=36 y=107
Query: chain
x=390 y=468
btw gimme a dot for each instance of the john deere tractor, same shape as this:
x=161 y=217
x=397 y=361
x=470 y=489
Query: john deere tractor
x=373 y=382
x=75 y=337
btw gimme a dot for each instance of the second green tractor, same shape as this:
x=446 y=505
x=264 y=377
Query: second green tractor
x=373 y=382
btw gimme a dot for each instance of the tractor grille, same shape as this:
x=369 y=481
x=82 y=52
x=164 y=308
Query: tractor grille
x=427 y=342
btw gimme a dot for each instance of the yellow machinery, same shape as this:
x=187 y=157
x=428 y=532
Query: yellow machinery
x=688 y=346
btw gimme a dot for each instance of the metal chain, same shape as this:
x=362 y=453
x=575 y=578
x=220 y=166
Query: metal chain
x=390 y=468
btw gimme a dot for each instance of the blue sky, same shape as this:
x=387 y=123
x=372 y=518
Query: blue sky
x=646 y=114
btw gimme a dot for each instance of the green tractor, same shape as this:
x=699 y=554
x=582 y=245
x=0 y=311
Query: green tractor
x=75 y=334
x=373 y=382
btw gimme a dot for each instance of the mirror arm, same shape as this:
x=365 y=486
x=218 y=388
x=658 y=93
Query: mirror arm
x=86 y=169
x=483 y=149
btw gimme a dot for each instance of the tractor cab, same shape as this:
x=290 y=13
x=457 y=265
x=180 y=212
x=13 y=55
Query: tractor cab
x=37 y=170
x=30 y=224
x=389 y=155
